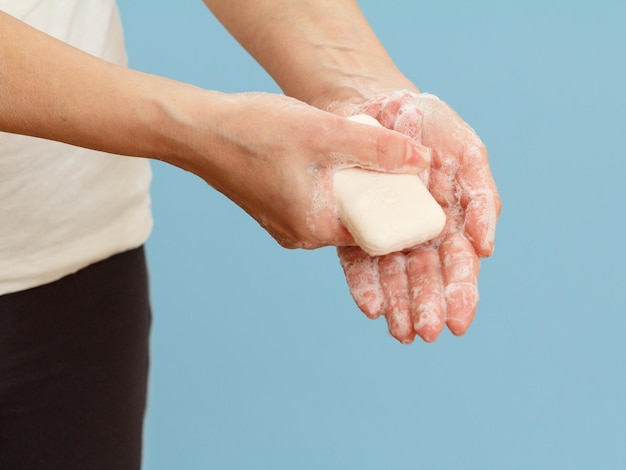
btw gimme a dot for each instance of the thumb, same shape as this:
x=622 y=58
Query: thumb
x=387 y=150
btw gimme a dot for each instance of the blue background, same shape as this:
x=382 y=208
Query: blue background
x=262 y=361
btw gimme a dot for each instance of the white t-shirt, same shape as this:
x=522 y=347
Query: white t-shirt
x=62 y=207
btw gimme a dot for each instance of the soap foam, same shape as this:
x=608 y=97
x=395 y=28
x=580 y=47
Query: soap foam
x=460 y=181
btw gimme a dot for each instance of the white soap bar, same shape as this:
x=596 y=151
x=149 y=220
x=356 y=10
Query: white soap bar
x=386 y=212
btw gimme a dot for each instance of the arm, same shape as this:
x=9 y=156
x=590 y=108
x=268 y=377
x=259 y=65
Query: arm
x=325 y=53
x=318 y=51
x=54 y=91
x=51 y=90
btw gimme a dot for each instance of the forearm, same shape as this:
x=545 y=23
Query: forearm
x=316 y=51
x=51 y=90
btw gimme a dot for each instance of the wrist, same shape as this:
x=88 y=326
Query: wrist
x=177 y=122
x=351 y=81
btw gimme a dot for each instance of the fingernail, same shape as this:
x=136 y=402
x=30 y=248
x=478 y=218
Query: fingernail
x=418 y=155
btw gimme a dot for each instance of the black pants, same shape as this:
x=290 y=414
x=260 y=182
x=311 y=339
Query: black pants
x=73 y=369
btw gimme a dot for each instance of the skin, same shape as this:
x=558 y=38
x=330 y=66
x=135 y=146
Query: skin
x=335 y=62
x=435 y=284
x=274 y=155
x=229 y=140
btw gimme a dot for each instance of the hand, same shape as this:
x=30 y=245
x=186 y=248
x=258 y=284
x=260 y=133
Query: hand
x=421 y=289
x=275 y=156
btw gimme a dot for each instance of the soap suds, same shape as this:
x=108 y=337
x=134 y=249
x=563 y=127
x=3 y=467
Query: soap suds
x=361 y=272
x=441 y=275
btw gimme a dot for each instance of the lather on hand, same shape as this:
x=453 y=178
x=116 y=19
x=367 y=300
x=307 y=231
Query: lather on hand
x=435 y=284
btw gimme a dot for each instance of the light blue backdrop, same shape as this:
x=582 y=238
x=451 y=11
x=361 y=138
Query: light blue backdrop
x=260 y=358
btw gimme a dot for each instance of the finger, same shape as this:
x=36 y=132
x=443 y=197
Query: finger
x=442 y=182
x=409 y=122
x=361 y=272
x=382 y=149
x=479 y=198
x=395 y=286
x=460 y=266
x=373 y=105
x=401 y=114
x=426 y=293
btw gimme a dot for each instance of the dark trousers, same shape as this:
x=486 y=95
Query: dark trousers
x=74 y=367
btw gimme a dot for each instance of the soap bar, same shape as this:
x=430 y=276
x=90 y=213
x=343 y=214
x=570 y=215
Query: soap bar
x=386 y=212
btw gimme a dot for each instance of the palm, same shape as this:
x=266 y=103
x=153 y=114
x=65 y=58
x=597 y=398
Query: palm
x=422 y=289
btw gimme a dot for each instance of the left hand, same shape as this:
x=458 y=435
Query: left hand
x=434 y=284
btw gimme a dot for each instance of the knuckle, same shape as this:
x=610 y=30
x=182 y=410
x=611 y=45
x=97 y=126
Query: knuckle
x=382 y=145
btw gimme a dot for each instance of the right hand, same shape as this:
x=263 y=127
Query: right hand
x=274 y=156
